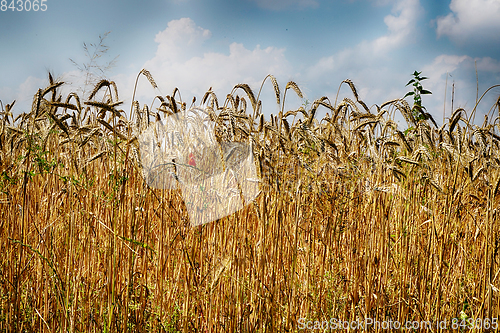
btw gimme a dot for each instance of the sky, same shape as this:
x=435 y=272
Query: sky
x=196 y=44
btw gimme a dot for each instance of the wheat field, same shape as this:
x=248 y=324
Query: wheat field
x=354 y=217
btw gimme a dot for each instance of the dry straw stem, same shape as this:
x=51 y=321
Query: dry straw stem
x=275 y=87
x=249 y=93
x=291 y=85
x=356 y=218
x=148 y=75
x=59 y=123
x=100 y=85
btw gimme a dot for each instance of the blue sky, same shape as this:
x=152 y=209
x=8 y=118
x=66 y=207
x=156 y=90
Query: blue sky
x=194 y=45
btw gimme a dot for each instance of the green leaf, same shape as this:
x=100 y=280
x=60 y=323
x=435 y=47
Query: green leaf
x=410 y=82
x=408 y=94
x=425 y=92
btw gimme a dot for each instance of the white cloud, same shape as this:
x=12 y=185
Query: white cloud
x=400 y=31
x=446 y=64
x=24 y=94
x=285 y=4
x=382 y=2
x=446 y=73
x=460 y=66
x=181 y=61
x=380 y=73
x=369 y=62
x=401 y=28
x=181 y=38
x=488 y=64
x=471 y=20
x=458 y=73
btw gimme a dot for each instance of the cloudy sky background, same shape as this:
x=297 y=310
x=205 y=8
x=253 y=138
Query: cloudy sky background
x=196 y=44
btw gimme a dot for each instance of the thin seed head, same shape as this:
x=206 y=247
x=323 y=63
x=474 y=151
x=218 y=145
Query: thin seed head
x=295 y=88
x=148 y=75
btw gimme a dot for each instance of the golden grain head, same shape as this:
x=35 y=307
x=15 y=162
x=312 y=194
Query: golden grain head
x=150 y=78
